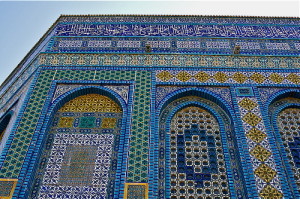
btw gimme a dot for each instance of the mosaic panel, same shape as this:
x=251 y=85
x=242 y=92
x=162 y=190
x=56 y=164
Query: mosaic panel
x=91 y=103
x=191 y=30
x=80 y=160
x=289 y=127
x=266 y=174
x=197 y=160
x=147 y=60
x=228 y=77
x=192 y=160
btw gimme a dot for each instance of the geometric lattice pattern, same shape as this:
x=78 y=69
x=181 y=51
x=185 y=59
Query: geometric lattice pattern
x=289 y=127
x=91 y=103
x=77 y=162
x=197 y=160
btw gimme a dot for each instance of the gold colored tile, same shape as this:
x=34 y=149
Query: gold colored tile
x=269 y=192
x=293 y=78
x=65 y=122
x=143 y=194
x=256 y=135
x=258 y=78
x=239 y=77
x=221 y=77
x=7 y=187
x=251 y=119
x=265 y=172
x=276 y=78
x=248 y=104
x=164 y=76
x=108 y=123
x=183 y=76
x=202 y=77
x=260 y=153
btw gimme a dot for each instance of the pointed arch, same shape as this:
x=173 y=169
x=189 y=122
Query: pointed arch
x=84 y=132
x=182 y=171
x=4 y=121
x=284 y=115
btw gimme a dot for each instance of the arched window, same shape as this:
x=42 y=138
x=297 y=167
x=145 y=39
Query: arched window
x=285 y=114
x=80 y=154
x=3 y=124
x=195 y=138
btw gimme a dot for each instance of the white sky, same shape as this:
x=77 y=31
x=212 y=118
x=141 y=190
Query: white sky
x=24 y=23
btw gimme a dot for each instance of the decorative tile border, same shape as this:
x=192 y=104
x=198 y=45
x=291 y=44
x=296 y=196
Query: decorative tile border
x=228 y=77
x=136 y=191
x=7 y=187
x=179 y=30
x=266 y=174
x=160 y=60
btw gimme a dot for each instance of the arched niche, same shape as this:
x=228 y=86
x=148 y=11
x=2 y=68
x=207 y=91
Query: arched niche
x=284 y=114
x=81 y=147
x=197 y=151
x=4 y=121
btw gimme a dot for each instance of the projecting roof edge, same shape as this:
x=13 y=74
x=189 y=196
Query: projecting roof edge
x=154 y=15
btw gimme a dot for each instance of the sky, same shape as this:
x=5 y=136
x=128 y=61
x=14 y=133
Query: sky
x=23 y=23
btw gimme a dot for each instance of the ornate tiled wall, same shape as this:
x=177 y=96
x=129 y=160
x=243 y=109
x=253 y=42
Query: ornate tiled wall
x=260 y=154
x=137 y=153
x=189 y=119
